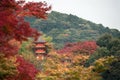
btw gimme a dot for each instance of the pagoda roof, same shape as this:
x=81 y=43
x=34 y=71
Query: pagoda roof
x=40 y=40
x=39 y=51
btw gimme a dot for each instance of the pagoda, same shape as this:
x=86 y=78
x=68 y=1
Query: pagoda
x=40 y=48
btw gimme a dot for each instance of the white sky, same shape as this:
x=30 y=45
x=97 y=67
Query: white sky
x=106 y=12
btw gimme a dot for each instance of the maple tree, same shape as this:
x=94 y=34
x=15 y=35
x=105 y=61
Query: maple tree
x=26 y=70
x=12 y=23
x=14 y=27
x=86 y=47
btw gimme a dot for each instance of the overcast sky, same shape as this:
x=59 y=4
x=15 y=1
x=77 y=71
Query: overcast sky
x=106 y=12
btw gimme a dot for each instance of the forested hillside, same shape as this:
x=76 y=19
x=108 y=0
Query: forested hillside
x=25 y=56
x=69 y=28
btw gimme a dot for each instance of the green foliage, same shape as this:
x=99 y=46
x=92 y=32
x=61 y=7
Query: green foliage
x=108 y=46
x=106 y=59
x=104 y=40
x=26 y=51
x=47 y=38
x=100 y=52
x=26 y=46
x=111 y=43
x=114 y=47
x=111 y=68
x=103 y=64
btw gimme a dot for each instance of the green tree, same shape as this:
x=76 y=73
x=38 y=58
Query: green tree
x=113 y=72
x=104 y=40
x=100 y=52
x=114 y=47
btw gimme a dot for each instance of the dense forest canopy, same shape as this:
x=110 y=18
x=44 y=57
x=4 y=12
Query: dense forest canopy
x=69 y=28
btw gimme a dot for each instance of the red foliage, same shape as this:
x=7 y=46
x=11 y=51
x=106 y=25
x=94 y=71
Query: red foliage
x=12 y=23
x=26 y=70
x=37 y=9
x=87 y=47
x=9 y=50
x=13 y=26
